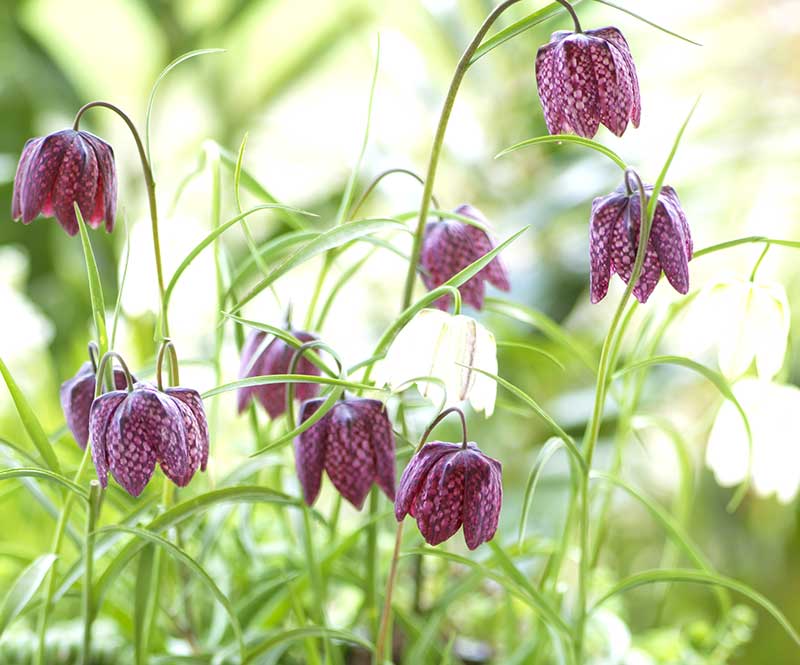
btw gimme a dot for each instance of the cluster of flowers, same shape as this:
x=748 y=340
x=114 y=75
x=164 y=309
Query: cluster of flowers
x=584 y=79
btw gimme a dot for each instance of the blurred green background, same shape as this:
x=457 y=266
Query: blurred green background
x=295 y=77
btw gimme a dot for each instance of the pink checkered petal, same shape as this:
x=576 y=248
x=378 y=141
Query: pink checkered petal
x=191 y=398
x=416 y=472
x=483 y=496
x=667 y=237
x=372 y=413
x=625 y=243
x=131 y=459
x=546 y=83
x=100 y=416
x=617 y=39
x=614 y=93
x=669 y=198
x=606 y=213
x=309 y=451
x=105 y=207
x=20 y=178
x=349 y=458
x=40 y=176
x=482 y=244
x=576 y=85
x=76 y=181
x=249 y=366
x=439 y=505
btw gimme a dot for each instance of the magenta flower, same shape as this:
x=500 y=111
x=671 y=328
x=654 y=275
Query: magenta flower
x=449 y=246
x=353 y=442
x=77 y=395
x=614 y=241
x=63 y=168
x=585 y=79
x=446 y=485
x=131 y=431
x=274 y=358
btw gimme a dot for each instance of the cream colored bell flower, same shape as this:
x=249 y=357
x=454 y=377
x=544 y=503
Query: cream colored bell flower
x=773 y=410
x=445 y=346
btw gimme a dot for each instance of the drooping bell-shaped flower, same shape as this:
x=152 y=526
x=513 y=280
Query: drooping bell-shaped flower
x=77 y=395
x=131 y=431
x=61 y=169
x=446 y=347
x=614 y=241
x=261 y=357
x=353 y=443
x=586 y=79
x=451 y=245
x=447 y=485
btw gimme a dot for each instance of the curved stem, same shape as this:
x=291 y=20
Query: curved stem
x=108 y=355
x=758 y=262
x=94 y=350
x=572 y=13
x=151 y=194
x=377 y=181
x=436 y=149
x=174 y=373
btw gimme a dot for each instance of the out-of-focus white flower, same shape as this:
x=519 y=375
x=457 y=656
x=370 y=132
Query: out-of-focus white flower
x=438 y=344
x=748 y=321
x=608 y=638
x=773 y=410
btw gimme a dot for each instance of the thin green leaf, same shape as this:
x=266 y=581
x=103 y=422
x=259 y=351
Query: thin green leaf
x=296 y=634
x=29 y=420
x=95 y=285
x=699 y=577
x=650 y=23
x=181 y=556
x=532 y=349
x=159 y=79
x=567 y=138
x=141 y=603
x=476 y=266
x=120 y=291
x=518 y=28
x=345 y=277
x=22 y=589
x=44 y=474
x=20 y=452
x=285 y=378
x=794 y=244
x=547 y=451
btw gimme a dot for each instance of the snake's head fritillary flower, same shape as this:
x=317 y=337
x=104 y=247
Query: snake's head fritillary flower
x=61 y=169
x=353 y=443
x=585 y=79
x=614 y=241
x=77 y=395
x=451 y=245
x=448 y=348
x=447 y=485
x=263 y=357
x=132 y=431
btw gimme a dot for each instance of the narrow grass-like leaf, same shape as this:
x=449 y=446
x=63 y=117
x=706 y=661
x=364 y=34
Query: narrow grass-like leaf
x=29 y=420
x=649 y=22
x=44 y=474
x=532 y=349
x=95 y=285
x=296 y=634
x=794 y=244
x=181 y=556
x=22 y=589
x=567 y=138
x=518 y=28
x=475 y=267
x=121 y=289
x=548 y=450
x=285 y=378
x=20 y=452
x=142 y=599
x=700 y=577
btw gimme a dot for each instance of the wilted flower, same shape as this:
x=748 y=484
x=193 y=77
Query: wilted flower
x=446 y=347
x=77 y=395
x=274 y=358
x=446 y=485
x=63 y=168
x=131 y=431
x=614 y=241
x=353 y=442
x=588 y=78
x=773 y=411
x=449 y=246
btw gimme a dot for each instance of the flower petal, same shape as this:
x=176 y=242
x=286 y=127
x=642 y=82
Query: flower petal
x=482 y=244
x=349 y=458
x=549 y=90
x=439 y=505
x=614 y=93
x=668 y=240
x=249 y=366
x=625 y=243
x=372 y=413
x=615 y=37
x=31 y=146
x=309 y=451
x=191 y=398
x=100 y=416
x=415 y=473
x=41 y=174
x=482 y=497
x=106 y=197
x=131 y=459
x=606 y=214
x=577 y=85
x=76 y=182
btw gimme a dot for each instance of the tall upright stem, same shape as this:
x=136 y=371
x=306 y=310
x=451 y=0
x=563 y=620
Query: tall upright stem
x=92 y=515
x=151 y=194
x=436 y=149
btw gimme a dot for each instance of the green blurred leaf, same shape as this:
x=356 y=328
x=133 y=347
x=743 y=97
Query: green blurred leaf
x=547 y=451
x=44 y=474
x=567 y=138
x=650 y=23
x=296 y=634
x=22 y=589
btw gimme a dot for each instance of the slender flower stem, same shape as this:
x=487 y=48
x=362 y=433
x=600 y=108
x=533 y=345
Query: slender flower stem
x=572 y=13
x=151 y=194
x=383 y=631
x=601 y=389
x=92 y=515
x=436 y=149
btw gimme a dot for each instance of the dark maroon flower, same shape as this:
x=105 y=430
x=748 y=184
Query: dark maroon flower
x=274 y=358
x=614 y=240
x=57 y=170
x=588 y=78
x=131 y=431
x=77 y=395
x=449 y=246
x=353 y=442
x=446 y=485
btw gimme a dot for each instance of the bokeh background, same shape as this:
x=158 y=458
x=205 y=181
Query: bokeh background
x=295 y=77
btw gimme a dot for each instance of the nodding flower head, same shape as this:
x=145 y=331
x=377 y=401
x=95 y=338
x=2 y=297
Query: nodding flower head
x=585 y=79
x=132 y=430
x=77 y=395
x=447 y=485
x=449 y=246
x=614 y=241
x=263 y=358
x=61 y=169
x=353 y=443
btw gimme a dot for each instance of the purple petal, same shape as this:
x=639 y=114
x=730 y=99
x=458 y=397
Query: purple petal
x=616 y=38
x=495 y=272
x=41 y=173
x=131 y=459
x=349 y=458
x=669 y=197
x=606 y=212
x=372 y=413
x=106 y=196
x=483 y=496
x=667 y=237
x=416 y=472
x=614 y=92
x=439 y=505
x=31 y=146
x=249 y=366
x=100 y=416
x=625 y=243
x=577 y=86
x=191 y=398
x=76 y=182
x=546 y=83
x=309 y=451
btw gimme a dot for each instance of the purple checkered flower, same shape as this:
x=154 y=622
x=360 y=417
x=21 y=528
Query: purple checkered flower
x=77 y=395
x=447 y=485
x=353 y=442
x=61 y=169
x=449 y=246
x=614 y=241
x=131 y=431
x=585 y=79
x=265 y=359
